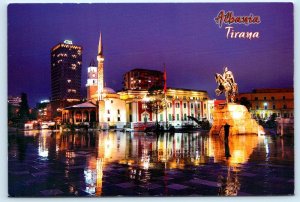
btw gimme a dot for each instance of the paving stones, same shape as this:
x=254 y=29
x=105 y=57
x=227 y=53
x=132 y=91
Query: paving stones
x=55 y=176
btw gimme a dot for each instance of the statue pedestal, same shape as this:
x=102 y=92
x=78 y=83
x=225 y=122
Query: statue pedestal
x=238 y=117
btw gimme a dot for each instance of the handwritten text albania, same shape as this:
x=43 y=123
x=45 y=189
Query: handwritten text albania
x=229 y=19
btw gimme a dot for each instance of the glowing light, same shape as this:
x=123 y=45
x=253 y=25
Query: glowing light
x=45 y=101
x=237 y=115
x=68 y=42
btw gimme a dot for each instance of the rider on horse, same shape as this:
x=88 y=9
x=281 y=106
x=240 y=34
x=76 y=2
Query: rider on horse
x=228 y=76
x=227 y=85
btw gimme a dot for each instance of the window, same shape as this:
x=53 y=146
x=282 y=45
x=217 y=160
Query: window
x=170 y=117
x=265 y=98
x=119 y=119
x=177 y=117
x=272 y=98
x=177 y=105
x=108 y=119
x=192 y=115
x=283 y=97
x=284 y=107
x=184 y=105
x=161 y=117
x=185 y=117
x=108 y=112
x=192 y=105
x=118 y=111
x=274 y=107
x=204 y=106
x=111 y=101
x=256 y=98
x=265 y=106
x=198 y=106
x=257 y=107
x=170 y=105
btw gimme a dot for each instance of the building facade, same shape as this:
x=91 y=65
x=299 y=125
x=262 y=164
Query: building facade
x=265 y=102
x=142 y=79
x=14 y=101
x=179 y=105
x=109 y=108
x=66 y=62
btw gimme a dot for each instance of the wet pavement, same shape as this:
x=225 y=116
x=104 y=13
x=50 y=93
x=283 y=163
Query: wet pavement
x=46 y=163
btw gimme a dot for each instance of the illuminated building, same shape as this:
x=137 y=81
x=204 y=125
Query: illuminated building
x=14 y=101
x=181 y=103
x=104 y=101
x=142 y=79
x=66 y=61
x=44 y=110
x=92 y=81
x=265 y=102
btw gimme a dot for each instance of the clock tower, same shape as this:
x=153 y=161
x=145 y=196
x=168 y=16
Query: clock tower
x=92 y=81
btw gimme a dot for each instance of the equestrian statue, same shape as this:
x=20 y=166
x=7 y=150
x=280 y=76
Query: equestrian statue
x=226 y=85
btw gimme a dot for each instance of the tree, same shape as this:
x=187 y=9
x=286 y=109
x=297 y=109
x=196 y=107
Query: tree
x=244 y=101
x=156 y=101
x=24 y=109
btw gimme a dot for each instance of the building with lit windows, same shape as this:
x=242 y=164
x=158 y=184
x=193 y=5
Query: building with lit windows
x=181 y=103
x=44 y=110
x=101 y=100
x=142 y=79
x=14 y=100
x=265 y=102
x=131 y=106
x=66 y=61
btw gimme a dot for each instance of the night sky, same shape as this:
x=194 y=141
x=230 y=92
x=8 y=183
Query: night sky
x=184 y=36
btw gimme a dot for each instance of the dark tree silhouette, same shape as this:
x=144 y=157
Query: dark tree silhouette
x=24 y=109
x=155 y=93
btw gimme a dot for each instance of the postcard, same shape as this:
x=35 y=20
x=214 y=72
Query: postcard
x=150 y=99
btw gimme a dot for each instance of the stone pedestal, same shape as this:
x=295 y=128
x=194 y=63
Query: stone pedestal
x=238 y=117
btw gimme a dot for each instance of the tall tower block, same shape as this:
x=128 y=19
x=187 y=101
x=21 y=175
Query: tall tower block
x=101 y=103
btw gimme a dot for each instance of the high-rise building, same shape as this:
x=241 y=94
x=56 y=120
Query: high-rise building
x=142 y=79
x=66 y=62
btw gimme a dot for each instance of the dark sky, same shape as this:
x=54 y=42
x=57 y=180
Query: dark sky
x=184 y=36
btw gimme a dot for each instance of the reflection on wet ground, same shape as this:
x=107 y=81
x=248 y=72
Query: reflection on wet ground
x=46 y=163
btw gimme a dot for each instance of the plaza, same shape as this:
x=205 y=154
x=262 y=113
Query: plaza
x=135 y=164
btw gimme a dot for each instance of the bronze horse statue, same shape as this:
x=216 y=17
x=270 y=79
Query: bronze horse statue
x=229 y=89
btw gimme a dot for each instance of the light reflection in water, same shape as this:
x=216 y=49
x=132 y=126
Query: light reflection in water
x=141 y=153
x=43 y=145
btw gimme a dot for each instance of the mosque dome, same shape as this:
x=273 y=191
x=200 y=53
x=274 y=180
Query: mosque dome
x=108 y=90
